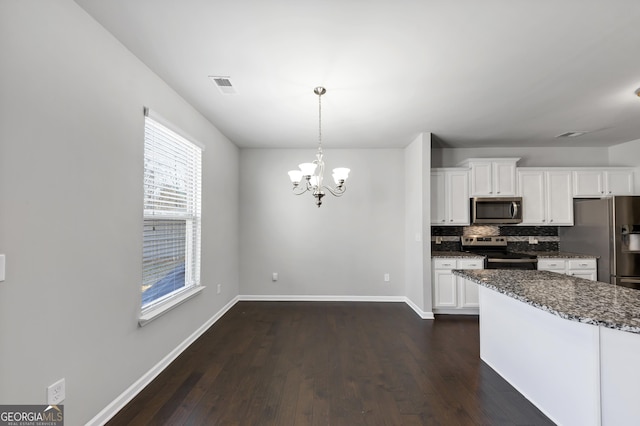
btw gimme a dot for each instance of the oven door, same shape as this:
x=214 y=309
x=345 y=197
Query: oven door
x=521 y=264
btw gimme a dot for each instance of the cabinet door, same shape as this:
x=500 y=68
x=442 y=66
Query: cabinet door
x=583 y=268
x=552 y=265
x=588 y=183
x=587 y=275
x=468 y=290
x=532 y=190
x=457 y=190
x=469 y=297
x=438 y=198
x=619 y=182
x=481 y=178
x=504 y=179
x=444 y=286
x=559 y=198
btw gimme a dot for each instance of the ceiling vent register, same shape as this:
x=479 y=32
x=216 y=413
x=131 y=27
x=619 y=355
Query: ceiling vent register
x=223 y=84
x=570 y=134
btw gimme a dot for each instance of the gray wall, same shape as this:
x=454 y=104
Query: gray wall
x=343 y=248
x=531 y=157
x=71 y=159
x=627 y=154
x=417 y=216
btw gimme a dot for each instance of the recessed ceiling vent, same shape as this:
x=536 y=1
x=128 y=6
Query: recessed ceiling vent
x=223 y=84
x=570 y=134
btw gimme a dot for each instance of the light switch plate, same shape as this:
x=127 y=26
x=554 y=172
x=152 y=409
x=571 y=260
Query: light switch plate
x=2 y=266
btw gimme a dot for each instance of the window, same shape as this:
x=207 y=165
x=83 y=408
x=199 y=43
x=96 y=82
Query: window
x=171 y=234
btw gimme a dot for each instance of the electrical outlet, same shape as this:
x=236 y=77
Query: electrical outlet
x=219 y=288
x=386 y=278
x=56 y=393
x=274 y=276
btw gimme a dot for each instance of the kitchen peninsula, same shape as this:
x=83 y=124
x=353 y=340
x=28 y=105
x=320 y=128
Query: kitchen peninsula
x=568 y=344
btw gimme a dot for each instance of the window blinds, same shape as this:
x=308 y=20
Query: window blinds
x=172 y=198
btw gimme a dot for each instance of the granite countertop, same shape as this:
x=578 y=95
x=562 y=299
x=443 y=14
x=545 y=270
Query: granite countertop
x=559 y=254
x=539 y=254
x=455 y=254
x=571 y=298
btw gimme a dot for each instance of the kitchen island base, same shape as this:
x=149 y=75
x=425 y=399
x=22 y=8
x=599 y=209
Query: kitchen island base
x=575 y=373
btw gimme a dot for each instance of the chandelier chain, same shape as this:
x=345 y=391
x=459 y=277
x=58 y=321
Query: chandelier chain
x=320 y=120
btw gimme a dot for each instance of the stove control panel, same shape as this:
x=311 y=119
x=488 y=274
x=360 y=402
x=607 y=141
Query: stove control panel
x=477 y=240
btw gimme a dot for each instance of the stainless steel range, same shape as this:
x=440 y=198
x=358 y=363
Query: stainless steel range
x=496 y=254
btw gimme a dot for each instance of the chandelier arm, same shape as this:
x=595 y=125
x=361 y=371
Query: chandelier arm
x=297 y=190
x=336 y=192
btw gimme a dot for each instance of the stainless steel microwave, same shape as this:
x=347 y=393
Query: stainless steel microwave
x=496 y=210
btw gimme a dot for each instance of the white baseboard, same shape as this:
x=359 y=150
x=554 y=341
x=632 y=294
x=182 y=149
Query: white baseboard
x=324 y=298
x=422 y=314
x=123 y=399
x=454 y=311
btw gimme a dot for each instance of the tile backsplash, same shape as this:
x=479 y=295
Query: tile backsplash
x=519 y=238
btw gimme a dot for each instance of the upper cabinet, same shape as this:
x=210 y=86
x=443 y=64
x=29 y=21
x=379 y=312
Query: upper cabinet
x=450 y=197
x=546 y=196
x=601 y=182
x=492 y=177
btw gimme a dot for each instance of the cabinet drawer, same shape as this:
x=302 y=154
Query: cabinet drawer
x=551 y=264
x=582 y=264
x=471 y=264
x=444 y=264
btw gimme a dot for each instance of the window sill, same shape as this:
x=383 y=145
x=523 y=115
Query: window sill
x=158 y=311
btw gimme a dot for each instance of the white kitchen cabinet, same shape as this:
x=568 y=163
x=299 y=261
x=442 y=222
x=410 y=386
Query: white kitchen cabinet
x=452 y=294
x=576 y=267
x=492 y=177
x=450 y=197
x=547 y=196
x=583 y=268
x=601 y=182
x=445 y=289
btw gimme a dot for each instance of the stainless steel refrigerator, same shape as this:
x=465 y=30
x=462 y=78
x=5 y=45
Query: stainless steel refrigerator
x=610 y=229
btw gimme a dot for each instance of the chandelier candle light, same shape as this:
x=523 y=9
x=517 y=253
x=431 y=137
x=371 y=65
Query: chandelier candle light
x=313 y=173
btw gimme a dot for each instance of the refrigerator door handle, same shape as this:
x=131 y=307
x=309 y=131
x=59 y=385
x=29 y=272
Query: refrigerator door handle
x=630 y=280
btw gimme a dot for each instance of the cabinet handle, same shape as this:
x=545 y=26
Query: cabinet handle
x=450 y=220
x=490 y=192
x=609 y=192
x=544 y=220
x=442 y=220
x=551 y=220
x=498 y=192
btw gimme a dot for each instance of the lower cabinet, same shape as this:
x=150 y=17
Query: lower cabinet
x=580 y=268
x=452 y=294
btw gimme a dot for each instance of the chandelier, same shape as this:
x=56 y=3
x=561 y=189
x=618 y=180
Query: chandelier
x=312 y=173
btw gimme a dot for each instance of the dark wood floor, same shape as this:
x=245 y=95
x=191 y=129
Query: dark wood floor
x=317 y=363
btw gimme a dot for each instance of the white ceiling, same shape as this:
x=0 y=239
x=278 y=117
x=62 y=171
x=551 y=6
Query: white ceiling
x=474 y=73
